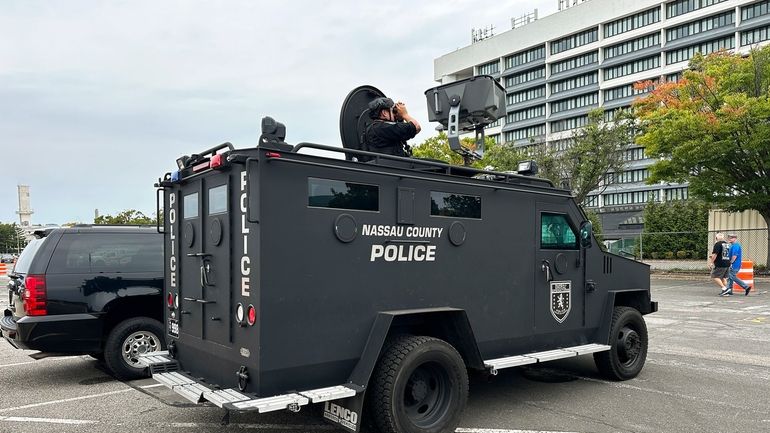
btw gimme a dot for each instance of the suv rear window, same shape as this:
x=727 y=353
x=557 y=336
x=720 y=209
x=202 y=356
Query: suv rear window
x=107 y=252
x=22 y=263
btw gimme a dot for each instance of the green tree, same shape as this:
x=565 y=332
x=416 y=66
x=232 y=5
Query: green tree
x=126 y=217
x=12 y=238
x=712 y=129
x=596 y=150
x=676 y=226
x=438 y=148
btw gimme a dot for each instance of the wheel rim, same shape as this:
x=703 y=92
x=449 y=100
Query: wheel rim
x=629 y=346
x=139 y=343
x=426 y=395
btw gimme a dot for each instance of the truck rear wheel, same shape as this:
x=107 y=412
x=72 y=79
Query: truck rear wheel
x=420 y=385
x=128 y=340
x=628 y=341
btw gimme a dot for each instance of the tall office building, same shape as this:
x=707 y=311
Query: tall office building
x=589 y=55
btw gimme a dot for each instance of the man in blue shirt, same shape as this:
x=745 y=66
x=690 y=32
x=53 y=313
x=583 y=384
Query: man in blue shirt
x=735 y=265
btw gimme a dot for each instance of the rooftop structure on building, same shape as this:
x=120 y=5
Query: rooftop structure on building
x=588 y=55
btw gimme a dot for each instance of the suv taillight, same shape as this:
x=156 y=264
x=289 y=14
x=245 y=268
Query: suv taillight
x=35 y=295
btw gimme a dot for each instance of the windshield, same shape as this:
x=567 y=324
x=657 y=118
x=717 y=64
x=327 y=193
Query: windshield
x=22 y=264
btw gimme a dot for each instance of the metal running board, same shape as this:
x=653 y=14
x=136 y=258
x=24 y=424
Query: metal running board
x=192 y=392
x=269 y=404
x=549 y=355
x=330 y=393
x=158 y=362
x=172 y=379
x=289 y=401
x=224 y=396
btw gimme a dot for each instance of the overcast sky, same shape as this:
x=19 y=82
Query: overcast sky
x=98 y=99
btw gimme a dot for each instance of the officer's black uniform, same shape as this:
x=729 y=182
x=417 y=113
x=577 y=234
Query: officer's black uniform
x=390 y=138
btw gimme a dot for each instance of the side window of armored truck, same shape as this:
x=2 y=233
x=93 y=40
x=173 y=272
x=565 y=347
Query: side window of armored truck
x=107 y=253
x=339 y=194
x=454 y=205
x=556 y=232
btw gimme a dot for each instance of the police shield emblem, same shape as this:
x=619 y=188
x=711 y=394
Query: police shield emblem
x=561 y=292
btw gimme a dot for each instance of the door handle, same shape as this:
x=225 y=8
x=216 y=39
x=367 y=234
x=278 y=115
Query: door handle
x=200 y=301
x=545 y=266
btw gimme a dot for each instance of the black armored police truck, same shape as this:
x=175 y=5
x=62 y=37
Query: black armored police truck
x=373 y=284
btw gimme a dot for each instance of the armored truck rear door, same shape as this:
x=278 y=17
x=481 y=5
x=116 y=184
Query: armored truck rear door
x=558 y=290
x=204 y=255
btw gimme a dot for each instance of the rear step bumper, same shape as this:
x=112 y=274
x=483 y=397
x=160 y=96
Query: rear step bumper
x=165 y=370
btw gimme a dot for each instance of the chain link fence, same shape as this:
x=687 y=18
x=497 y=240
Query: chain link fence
x=688 y=251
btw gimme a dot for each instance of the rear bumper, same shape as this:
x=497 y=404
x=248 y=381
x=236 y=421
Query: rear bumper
x=653 y=306
x=64 y=333
x=164 y=369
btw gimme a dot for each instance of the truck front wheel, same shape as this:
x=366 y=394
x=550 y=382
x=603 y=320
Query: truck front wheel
x=628 y=342
x=420 y=385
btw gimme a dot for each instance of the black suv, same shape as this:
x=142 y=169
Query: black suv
x=93 y=290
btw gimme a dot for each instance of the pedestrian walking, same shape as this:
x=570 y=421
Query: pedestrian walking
x=719 y=263
x=735 y=265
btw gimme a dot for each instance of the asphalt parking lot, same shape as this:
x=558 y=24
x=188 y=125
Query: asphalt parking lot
x=708 y=369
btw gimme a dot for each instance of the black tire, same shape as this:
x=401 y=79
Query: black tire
x=420 y=385
x=134 y=336
x=628 y=341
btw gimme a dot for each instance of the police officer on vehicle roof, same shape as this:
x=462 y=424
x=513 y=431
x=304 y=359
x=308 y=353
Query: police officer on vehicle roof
x=391 y=128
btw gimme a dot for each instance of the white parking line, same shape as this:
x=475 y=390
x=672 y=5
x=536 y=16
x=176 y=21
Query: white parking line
x=39 y=361
x=487 y=430
x=66 y=400
x=17 y=363
x=46 y=420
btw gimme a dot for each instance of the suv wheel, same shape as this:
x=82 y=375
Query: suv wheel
x=127 y=341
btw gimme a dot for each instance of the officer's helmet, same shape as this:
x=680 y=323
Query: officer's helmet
x=378 y=105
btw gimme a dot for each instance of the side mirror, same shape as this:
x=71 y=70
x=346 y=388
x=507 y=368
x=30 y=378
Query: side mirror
x=586 y=233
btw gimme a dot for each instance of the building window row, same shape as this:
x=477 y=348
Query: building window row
x=644 y=18
x=624 y=91
x=488 y=68
x=575 y=62
x=497 y=122
x=571 y=123
x=529 y=113
x=634 y=154
x=755 y=10
x=574 y=83
x=609 y=115
x=525 y=95
x=621 y=198
x=755 y=35
x=523 y=133
x=561 y=145
x=681 y=7
x=576 y=102
x=630 y=176
x=532 y=74
x=682 y=193
x=634 y=67
x=700 y=26
x=632 y=45
x=704 y=48
x=574 y=41
x=591 y=201
x=525 y=57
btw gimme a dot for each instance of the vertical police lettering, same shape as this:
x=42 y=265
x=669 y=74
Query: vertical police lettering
x=245 y=260
x=172 y=239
